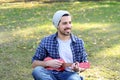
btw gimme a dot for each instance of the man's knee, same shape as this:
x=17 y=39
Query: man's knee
x=40 y=73
x=37 y=70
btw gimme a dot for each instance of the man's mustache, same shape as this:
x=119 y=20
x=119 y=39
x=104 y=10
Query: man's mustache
x=67 y=28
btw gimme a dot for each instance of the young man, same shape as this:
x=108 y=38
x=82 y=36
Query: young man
x=61 y=45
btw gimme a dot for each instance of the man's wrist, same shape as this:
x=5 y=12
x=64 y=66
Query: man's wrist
x=46 y=63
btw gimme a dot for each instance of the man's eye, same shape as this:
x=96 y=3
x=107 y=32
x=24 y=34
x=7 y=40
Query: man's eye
x=65 y=23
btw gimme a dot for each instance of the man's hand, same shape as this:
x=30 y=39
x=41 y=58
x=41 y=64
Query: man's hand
x=75 y=67
x=53 y=63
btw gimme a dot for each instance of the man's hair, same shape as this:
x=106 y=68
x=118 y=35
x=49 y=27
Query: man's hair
x=64 y=15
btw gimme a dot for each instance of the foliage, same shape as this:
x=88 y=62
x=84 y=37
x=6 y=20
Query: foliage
x=23 y=25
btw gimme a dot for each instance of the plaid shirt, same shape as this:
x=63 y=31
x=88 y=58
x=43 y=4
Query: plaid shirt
x=49 y=47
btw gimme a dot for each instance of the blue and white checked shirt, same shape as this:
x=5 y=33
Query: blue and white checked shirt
x=49 y=47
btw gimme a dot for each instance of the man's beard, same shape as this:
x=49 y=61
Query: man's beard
x=65 y=33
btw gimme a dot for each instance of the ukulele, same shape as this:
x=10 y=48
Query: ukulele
x=85 y=65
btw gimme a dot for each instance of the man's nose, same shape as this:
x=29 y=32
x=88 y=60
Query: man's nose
x=69 y=25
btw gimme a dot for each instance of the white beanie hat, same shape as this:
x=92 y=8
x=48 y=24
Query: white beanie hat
x=57 y=17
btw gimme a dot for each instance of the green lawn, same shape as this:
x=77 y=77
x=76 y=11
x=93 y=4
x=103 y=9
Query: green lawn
x=22 y=25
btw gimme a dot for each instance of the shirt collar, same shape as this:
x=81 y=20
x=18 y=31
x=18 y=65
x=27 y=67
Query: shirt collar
x=71 y=35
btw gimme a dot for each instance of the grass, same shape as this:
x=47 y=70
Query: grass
x=22 y=25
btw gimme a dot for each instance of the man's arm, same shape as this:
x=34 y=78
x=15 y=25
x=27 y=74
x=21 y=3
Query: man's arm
x=51 y=63
x=38 y=63
x=37 y=59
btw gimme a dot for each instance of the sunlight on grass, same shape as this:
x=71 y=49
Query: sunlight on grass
x=87 y=26
x=87 y=6
x=114 y=52
x=26 y=33
x=19 y=5
x=110 y=62
x=34 y=32
x=29 y=33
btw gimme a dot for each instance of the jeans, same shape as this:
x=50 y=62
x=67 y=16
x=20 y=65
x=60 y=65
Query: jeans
x=40 y=73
